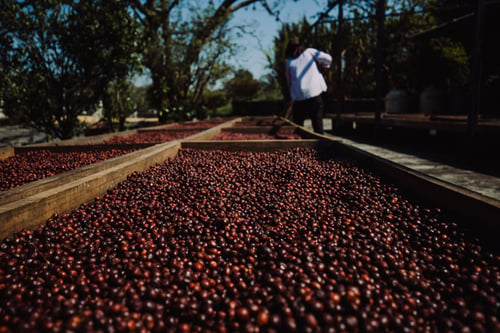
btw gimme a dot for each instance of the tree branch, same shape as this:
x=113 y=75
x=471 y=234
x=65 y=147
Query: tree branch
x=142 y=9
x=172 y=6
x=242 y=4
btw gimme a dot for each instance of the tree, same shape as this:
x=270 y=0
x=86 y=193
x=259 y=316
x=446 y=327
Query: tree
x=243 y=86
x=210 y=68
x=414 y=57
x=448 y=46
x=120 y=100
x=58 y=57
x=270 y=89
x=176 y=35
x=215 y=99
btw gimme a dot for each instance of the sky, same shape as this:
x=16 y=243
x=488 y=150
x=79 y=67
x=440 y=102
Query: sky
x=266 y=27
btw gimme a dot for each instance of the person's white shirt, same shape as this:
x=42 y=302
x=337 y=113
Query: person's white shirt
x=304 y=78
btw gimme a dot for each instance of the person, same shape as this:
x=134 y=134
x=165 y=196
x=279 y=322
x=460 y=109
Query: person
x=306 y=83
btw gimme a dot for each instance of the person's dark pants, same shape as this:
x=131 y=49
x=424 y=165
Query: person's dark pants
x=311 y=108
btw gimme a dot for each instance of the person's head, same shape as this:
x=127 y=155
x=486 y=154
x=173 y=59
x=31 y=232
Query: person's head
x=293 y=49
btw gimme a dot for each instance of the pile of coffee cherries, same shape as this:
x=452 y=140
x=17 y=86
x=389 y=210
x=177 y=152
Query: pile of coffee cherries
x=199 y=125
x=215 y=241
x=260 y=122
x=30 y=166
x=150 y=137
x=257 y=136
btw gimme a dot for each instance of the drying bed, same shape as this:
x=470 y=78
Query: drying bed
x=281 y=135
x=26 y=167
x=152 y=137
x=297 y=239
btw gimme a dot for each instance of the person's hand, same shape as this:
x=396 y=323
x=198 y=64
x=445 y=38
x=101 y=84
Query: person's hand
x=322 y=68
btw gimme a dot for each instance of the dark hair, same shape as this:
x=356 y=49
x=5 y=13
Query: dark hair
x=294 y=49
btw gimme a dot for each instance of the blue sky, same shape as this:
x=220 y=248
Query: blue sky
x=251 y=56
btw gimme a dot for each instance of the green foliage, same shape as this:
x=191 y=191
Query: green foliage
x=450 y=63
x=242 y=87
x=120 y=100
x=215 y=99
x=400 y=47
x=57 y=58
x=269 y=89
x=224 y=111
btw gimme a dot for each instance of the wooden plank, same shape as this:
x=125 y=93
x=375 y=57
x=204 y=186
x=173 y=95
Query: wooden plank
x=308 y=134
x=174 y=130
x=6 y=153
x=83 y=148
x=488 y=128
x=157 y=128
x=443 y=123
x=260 y=129
x=94 y=139
x=34 y=210
x=207 y=124
x=445 y=126
x=212 y=132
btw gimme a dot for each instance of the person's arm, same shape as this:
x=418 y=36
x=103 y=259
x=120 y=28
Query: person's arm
x=323 y=58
